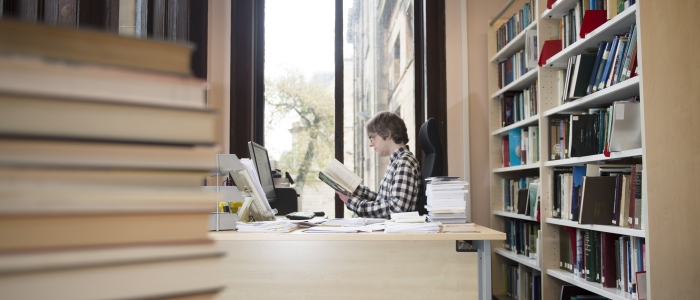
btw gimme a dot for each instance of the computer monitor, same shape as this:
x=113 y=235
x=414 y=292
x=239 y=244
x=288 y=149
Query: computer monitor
x=261 y=161
x=254 y=204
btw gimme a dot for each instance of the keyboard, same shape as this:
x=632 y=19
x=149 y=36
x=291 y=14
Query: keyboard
x=300 y=215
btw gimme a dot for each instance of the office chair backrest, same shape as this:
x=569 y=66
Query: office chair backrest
x=432 y=161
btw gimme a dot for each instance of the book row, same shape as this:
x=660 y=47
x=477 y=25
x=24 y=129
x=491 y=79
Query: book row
x=516 y=24
x=522 y=237
x=521 y=146
x=614 y=128
x=521 y=283
x=600 y=194
x=514 y=67
x=606 y=258
x=518 y=106
x=522 y=196
x=614 y=62
x=574 y=22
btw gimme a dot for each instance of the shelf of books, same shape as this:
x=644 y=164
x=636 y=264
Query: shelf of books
x=513 y=86
x=584 y=170
x=612 y=166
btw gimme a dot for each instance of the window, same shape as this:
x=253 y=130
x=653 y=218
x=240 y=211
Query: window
x=379 y=74
x=377 y=50
x=299 y=94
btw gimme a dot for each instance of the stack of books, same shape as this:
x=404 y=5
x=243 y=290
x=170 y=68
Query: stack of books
x=446 y=199
x=105 y=141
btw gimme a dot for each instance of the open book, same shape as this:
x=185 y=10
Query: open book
x=337 y=176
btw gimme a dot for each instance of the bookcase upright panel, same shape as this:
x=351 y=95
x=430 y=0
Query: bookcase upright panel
x=668 y=35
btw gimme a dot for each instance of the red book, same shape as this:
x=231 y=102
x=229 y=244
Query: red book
x=549 y=49
x=592 y=19
x=608 y=260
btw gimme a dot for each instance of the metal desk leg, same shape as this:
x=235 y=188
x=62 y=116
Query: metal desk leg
x=484 y=251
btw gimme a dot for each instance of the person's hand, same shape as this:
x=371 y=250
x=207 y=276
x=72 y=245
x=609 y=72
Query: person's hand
x=343 y=197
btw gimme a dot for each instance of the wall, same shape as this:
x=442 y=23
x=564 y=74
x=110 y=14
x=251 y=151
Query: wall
x=468 y=97
x=219 y=68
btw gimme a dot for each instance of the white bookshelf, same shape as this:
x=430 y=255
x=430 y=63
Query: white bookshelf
x=597 y=288
x=513 y=215
x=669 y=119
x=602 y=228
x=519 y=258
x=514 y=45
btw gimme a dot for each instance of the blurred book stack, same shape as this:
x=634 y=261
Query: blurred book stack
x=105 y=141
x=446 y=199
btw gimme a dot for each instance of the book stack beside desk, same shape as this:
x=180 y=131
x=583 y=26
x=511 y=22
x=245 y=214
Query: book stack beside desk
x=104 y=143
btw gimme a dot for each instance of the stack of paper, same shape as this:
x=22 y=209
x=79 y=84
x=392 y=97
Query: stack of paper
x=464 y=227
x=347 y=222
x=407 y=217
x=446 y=200
x=346 y=229
x=393 y=227
x=267 y=226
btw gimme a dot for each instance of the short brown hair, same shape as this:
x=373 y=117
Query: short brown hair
x=387 y=123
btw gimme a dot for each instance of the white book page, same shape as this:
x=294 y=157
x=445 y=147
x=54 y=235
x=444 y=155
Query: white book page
x=338 y=172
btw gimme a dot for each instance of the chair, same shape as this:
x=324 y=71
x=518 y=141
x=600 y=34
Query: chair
x=429 y=140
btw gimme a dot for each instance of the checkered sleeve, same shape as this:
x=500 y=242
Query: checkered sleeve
x=398 y=192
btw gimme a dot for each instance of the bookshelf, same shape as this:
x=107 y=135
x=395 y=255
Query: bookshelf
x=667 y=119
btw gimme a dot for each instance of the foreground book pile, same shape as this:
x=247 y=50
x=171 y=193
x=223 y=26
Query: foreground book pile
x=101 y=165
x=446 y=199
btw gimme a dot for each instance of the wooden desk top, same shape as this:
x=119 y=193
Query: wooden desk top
x=484 y=233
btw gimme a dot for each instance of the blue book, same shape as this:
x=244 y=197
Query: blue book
x=620 y=57
x=514 y=136
x=579 y=172
x=599 y=56
x=608 y=64
x=601 y=66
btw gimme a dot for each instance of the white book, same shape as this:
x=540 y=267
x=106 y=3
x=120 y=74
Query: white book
x=337 y=176
x=626 y=130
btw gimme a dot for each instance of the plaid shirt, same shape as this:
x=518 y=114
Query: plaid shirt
x=398 y=191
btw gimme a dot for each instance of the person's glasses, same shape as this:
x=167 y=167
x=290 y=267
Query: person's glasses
x=371 y=136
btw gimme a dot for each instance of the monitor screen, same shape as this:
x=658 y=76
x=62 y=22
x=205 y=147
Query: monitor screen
x=259 y=156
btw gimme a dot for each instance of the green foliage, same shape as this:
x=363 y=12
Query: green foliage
x=311 y=104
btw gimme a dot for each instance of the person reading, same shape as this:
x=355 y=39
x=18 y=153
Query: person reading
x=400 y=188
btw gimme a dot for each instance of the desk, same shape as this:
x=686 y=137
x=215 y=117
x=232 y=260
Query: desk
x=375 y=265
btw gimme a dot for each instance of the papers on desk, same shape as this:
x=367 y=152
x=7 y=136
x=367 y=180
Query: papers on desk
x=464 y=227
x=342 y=222
x=344 y=229
x=429 y=227
x=407 y=217
x=352 y=222
x=267 y=226
x=349 y=225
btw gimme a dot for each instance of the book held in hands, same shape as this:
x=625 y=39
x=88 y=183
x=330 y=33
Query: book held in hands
x=337 y=176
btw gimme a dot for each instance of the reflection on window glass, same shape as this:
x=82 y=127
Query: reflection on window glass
x=379 y=75
x=299 y=94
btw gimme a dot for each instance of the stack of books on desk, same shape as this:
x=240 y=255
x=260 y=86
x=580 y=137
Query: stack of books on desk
x=446 y=199
x=104 y=144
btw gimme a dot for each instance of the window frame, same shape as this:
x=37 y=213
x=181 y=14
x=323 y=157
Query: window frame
x=247 y=75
